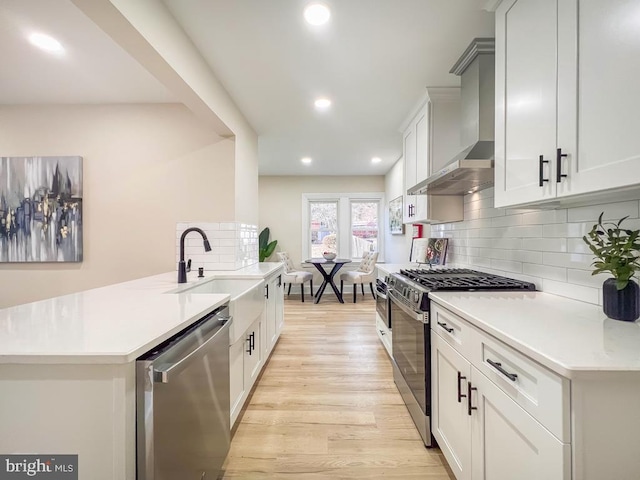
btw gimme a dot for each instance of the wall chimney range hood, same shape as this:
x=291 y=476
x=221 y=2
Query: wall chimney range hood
x=472 y=169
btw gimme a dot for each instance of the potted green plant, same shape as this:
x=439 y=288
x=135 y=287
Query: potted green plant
x=265 y=249
x=617 y=251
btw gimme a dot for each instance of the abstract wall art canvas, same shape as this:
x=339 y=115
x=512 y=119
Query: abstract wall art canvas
x=396 y=227
x=40 y=209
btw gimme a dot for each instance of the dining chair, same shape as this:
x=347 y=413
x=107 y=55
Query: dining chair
x=291 y=275
x=365 y=273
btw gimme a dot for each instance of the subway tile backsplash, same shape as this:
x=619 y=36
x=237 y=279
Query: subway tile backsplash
x=234 y=245
x=540 y=246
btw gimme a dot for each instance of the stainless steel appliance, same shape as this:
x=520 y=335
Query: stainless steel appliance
x=183 y=420
x=409 y=294
x=383 y=302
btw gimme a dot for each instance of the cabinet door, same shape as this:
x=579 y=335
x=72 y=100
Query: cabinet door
x=409 y=155
x=254 y=353
x=422 y=144
x=526 y=106
x=237 y=385
x=508 y=443
x=598 y=72
x=271 y=326
x=451 y=424
x=279 y=307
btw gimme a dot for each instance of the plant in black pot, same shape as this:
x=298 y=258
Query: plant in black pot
x=617 y=251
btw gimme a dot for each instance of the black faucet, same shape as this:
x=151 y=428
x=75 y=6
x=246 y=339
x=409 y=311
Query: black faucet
x=182 y=267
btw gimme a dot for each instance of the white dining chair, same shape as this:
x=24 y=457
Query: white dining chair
x=365 y=273
x=293 y=276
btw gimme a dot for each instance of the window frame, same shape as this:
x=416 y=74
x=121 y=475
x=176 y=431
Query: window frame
x=344 y=219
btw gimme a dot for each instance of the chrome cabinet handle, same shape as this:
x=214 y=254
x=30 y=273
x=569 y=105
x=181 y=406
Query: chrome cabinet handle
x=498 y=366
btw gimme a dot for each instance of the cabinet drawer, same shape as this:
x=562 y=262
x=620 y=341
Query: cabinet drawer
x=453 y=329
x=541 y=392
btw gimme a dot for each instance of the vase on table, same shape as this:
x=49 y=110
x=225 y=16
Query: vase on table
x=621 y=304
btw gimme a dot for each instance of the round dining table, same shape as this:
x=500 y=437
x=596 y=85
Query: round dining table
x=328 y=275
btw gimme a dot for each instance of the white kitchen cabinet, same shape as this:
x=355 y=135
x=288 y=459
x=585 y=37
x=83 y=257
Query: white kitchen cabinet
x=418 y=139
x=273 y=311
x=246 y=359
x=480 y=424
x=566 y=106
x=450 y=424
x=415 y=156
x=508 y=443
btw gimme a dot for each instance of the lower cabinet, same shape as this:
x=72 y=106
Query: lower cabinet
x=274 y=311
x=482 y=430
x=246 y=359
x=248 y=355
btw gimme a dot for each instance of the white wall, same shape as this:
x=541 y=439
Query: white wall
x=149 y=33
x=280 y=204
x=540 y=246
x=146 y=167
x=397 y=247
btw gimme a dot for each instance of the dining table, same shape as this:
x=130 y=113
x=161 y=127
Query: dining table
x=327 y=276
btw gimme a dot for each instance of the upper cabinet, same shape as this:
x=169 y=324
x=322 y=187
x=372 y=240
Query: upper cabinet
x=566 y=99
x=421 y=134
x=414 y=151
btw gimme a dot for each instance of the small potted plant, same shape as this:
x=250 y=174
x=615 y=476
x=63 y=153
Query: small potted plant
x=265 y=248
x=617 y=251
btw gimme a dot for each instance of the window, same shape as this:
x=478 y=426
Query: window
x=346 y=224
x=323 y=218
x=364 y=227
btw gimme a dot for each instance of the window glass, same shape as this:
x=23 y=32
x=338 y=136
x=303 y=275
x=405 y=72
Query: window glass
x=364 y=227
x=323 y=218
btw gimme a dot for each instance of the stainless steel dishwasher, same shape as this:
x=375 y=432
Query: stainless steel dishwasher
x=182 y=390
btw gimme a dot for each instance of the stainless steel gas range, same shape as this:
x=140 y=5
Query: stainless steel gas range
x=408 y=291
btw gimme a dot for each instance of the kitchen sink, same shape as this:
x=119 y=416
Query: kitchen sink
x=246 y=303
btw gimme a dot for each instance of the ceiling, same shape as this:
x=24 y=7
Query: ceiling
x=373 y=59
x=93 y=69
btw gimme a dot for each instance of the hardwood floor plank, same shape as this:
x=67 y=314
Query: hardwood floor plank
x=326 y=406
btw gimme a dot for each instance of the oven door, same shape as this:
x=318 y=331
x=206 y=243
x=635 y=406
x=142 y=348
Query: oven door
x=412 y=362
x=382 y=302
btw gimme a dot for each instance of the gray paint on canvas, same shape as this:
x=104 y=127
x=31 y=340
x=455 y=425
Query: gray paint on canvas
x=41 y=209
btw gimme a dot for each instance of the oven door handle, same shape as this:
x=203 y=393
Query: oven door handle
x=419 y=317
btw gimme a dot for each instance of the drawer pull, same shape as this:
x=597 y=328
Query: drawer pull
x=469 y=390
x=444 y=325
x=460 y=394
x=498 y=366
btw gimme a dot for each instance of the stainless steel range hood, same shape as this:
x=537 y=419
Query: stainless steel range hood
x=472 y=169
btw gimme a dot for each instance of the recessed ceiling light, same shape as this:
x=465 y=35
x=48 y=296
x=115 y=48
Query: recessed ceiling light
x=376 y=160
x=46 y=43
x=322 y=103
x=306 y=160
x=317 y=14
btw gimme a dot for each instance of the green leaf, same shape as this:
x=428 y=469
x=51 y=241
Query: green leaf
x=263 y=238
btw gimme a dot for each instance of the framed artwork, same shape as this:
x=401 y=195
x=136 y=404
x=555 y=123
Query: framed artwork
x=396 y=227
x=40 y=209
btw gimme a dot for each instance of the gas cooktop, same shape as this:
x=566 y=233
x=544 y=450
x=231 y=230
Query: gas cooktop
x=462 y=279
x=412 y=286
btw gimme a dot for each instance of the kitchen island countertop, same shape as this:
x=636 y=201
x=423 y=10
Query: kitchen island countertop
x=112 y=324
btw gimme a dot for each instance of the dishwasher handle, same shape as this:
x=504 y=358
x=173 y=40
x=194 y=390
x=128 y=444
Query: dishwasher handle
x=167 y=371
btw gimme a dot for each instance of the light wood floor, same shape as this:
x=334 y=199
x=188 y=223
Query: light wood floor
x=326 y=406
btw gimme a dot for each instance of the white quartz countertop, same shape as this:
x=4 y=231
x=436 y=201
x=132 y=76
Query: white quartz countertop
x=567 y=336
x=388 y=268
x=113 y=324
